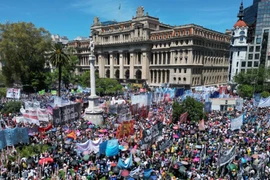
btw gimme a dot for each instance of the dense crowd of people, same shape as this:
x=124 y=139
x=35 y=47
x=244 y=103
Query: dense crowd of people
x=193 y=154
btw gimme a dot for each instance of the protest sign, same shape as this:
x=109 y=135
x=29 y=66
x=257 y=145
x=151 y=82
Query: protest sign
x=66 y=114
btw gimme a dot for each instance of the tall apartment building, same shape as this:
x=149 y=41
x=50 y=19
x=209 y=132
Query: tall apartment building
x=145 y=50
x=258 y=20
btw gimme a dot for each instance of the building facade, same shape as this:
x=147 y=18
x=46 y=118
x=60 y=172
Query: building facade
x=145 y=50
x=258 y=20
x=239 y=45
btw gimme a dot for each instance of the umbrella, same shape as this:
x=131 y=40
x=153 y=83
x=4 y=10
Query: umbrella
x=255 y=156
x=45 y=161
x=133 y=151
x=248 y=158
x=184 y=162
x=243 y=160
x=136 y=159
x=113 y=164
x=175 y=127
x=86 y=157
x=86 y=152
x=175 y=136
x=116 y=170
x=124 y=173
x=74 y=163
x=198 y=147
x=196 y=159
x=103 y=130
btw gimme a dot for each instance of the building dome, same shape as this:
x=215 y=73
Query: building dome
x=240 y=23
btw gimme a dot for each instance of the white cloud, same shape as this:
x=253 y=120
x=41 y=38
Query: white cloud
x=106 y=9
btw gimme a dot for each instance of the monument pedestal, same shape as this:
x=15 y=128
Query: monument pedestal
x=94 y=113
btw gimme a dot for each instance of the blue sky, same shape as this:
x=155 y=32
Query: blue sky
x=73 y=18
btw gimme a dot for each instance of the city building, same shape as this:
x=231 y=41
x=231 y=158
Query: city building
x=257 y=17
x=144 y=50
x=239 y=45
x=59 y=39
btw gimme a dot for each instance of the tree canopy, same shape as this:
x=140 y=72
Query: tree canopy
x=103 y=85
x=23 y=47
x=254 y=78
x=190 y=105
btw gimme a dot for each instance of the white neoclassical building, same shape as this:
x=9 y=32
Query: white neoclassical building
x=145 y=50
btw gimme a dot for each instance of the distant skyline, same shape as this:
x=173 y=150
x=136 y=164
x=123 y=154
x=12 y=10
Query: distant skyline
x=73 y=18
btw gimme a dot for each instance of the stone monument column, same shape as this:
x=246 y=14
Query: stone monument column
x=93 y=113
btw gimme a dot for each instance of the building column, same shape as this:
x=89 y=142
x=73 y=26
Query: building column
x=121 y=66
x=157 y=81
x=101 y=65
x=161 y=76
x=154 y=58
x=165 y=76
x=111 y=66
x=166 y=58
x=145 y=65
x=131 y=66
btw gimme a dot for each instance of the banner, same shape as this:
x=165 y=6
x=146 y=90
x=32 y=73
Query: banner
x=112 y=148
x=13 y=93
x=150 y=135
x=90 y=145
x=42 y=115
x=11 y=137
x=264 y=102
x=239 y=104
x=165 y=143
x=207 y=107
x=226 y=157
x=202 y=125
x=66 y=114
x=236 y=123
x=125 y=164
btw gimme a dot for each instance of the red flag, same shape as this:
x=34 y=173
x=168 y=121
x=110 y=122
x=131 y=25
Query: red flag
x=72 y=135
x=201 y=125
x=183 y=117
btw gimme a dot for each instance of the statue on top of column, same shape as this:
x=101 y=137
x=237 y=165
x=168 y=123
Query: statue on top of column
x=140 y=12
x=91 y=46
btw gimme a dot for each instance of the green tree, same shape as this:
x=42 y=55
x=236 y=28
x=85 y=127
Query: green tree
x=3 y=92
x=23 y=47
x=254 y=77
x=103 y=85
x=11 y=107
x=265 y=94
x=59 y=58
x=245 y=90
x=190 y=105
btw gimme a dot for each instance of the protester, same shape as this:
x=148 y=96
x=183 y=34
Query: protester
x=184 y=150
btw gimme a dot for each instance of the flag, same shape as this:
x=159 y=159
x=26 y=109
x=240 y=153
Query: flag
x=183 y=117
x=119 y=6
x=201 y=125
x=72 y=135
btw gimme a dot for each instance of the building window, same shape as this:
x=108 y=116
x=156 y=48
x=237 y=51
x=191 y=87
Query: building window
x=251 y=48
x=185 y=70
x=238 y=53
x=179 y=79
x=256 y=63
x=243 y=70
x=236 y=71
x=174 y=78
x=258 y=48
x=243 y=64
x=258 y=40
x=242 y=33
x=174 y=70
x=241 y=38
x=184 y=79
x=237 y=64
x=257 y=56
x=250 y=64
x=250 y=56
